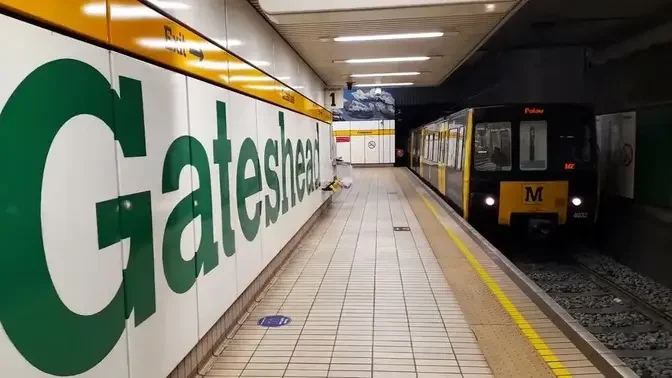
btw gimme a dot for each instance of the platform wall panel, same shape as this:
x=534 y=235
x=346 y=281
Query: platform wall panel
x=142 y=203
x=236 y=25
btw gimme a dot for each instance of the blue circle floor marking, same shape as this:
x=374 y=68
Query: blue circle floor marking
x=274 y=321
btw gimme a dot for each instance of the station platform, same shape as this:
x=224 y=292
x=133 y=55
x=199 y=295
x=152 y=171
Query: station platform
x=388 y=284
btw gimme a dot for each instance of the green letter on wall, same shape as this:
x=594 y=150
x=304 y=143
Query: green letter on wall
x=246 y=187
x=43 y=329
x=180 y=274
x=271 y=150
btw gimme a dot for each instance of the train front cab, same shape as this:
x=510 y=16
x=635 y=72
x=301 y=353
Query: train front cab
x=533 y=167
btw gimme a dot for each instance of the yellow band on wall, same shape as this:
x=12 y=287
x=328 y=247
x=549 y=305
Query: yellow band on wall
x=132 y=26
x=363 y=132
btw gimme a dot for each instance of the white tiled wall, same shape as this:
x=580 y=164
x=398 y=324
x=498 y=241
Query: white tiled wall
x=366 y=148
x=235 y=24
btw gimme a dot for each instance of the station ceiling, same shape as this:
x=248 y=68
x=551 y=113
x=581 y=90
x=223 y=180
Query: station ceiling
x=465 y=25
x=593 y=24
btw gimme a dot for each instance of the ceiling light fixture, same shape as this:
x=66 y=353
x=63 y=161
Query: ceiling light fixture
x=385 y=37
x=386 y=74
x=489 y=7
x=385 y=60
x=383 y=85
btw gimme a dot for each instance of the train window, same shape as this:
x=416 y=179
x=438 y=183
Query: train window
x=575 y=144
x=445 y=147
x=441 y=147
x=445 y=155
x=533 y=146
x=460 y=148
x=452 y=147
x=492 y=146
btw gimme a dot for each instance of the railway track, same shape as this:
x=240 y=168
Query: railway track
x=636 y=324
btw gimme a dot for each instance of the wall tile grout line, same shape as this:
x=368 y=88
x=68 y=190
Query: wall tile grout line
x=321 y=281
x=289 y=260
x=408 y=317
x=347 y=285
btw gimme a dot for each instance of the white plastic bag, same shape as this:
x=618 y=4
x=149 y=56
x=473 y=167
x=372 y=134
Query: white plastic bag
x=345 y=173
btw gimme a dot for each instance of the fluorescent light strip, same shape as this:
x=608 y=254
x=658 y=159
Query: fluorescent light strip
x=386 y=74
x=386 y=60
x=384 y=37
x=383 y=85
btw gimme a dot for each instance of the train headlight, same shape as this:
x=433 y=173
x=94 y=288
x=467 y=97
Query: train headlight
x=576 y=201
x=489 y=201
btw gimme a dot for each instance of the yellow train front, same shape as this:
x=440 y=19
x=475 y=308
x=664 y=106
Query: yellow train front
x=533 y=166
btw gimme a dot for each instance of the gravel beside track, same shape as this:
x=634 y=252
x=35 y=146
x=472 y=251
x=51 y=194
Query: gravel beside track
x=592 y=288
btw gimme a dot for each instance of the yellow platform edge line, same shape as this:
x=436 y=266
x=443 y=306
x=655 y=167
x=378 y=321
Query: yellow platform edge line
x=526 y=329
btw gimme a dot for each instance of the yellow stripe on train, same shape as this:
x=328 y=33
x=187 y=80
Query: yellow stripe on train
x=532 y=197
x=134 y=27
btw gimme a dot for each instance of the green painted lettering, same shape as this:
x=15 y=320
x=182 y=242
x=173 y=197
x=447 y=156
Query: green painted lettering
x=271 y=150
x=300 y=170
x=246 y=187
x=222 y=147
x=317 y=156
x=181 y=274
x=310 y=180
x=41 y=327
x=286 y=153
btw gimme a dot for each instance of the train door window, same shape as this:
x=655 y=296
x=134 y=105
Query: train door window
x=451 y=147
x=533 y=146
x=460 y=148
x=492 y=146
x=442 y=154
x=426 y=147
x=433 y=150
x=444 y=143
x=587 y=141
x=429 y=146
x=445 y=147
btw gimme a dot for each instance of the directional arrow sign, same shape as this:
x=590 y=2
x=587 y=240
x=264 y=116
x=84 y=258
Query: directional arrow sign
x=197 y=53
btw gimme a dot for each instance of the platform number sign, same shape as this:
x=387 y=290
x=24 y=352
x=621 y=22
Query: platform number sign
x=333 y=98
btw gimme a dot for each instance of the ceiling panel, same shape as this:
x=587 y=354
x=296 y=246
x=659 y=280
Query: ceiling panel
x=465 y=25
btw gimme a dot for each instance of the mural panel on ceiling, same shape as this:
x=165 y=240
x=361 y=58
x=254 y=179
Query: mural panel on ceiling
x=365 y=105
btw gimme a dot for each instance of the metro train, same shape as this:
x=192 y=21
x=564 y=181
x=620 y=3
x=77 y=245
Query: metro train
x=523 y=166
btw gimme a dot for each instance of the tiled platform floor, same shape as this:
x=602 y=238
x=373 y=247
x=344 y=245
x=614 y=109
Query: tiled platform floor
x=365 y=301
